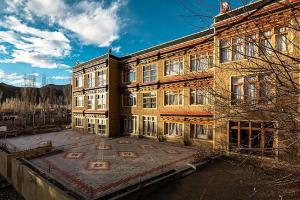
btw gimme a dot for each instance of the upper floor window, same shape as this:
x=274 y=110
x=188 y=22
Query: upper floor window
x=149 y=100
x=101 y=101
x=250 y=89
x=237 y=48
x=201 y=131
x=149 y=73
x=265 y=43
x=200 y=97
x=174 y=97
x=78 y=81
x=79 y=101
x=91 y=102
x=225 y=50
x=174 y=67
x=250 y=46
x=173 y=129
x=91 y=80
x=129 y=75
x=200 y=62
x=102 y=78
x=129 y=99
x=281 y=37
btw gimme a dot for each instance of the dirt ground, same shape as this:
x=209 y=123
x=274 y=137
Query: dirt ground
x=222 y=180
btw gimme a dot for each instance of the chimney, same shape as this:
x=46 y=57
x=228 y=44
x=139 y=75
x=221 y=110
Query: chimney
x=225 y=7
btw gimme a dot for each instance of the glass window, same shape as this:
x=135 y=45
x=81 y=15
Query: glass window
x=225 y=50
x=237 y=84
x=149 y=73
x=281 y=39
x=101 y=101
x=200 y=62
x=78 y=122
x=201 y=131
x=237 y=48
x=129 y=75
x=266 y=43
x=91 y=80
x=91 y=126
x=173 y=129
x=79 y=101
x=79 y=81
x=91 y=102
x=174 y=97
x=251 y=89
x=102 y=78
x=149 y=100
x=201 y=97
x=130 y=124
x=101 y=126
x=174 y=67
x=149 y=126
x=129 y=99
x=250 y=46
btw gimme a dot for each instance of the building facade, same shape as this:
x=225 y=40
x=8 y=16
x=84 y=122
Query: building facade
x=187 y=90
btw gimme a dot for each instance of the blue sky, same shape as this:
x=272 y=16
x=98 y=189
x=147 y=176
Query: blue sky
x=47 y=37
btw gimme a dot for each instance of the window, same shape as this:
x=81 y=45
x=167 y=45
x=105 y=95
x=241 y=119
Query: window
x=91 y=126
x=149 y=126
x=265 y=43
x=102 y=78
x=237 y=48
x=91 y=80
x=225 y=50
x=237 y=84
x=91 y=102
x=101 y=101
x=149 y=100
x=79 y=122
x=129 y=99
x=250 y=46
x=173 y=129
x=201 y=97
x=255 y=137
x=201 y=131
x=200 y=62
x=79 y=101
x=174 y=67
x=174 y=97
x=281 y=37
x=78 y=81
x=129 y=75
x=130 y=124
x=250 y=89
x=149 y=73
x=101 y=126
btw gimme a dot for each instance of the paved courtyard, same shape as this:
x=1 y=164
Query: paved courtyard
x=94 y=166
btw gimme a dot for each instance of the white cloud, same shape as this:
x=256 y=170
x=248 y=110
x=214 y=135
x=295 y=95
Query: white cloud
x=34 y=46
x=12 y=79
x=116 y=49
x=91 y=21
x=60 y=77
x=3 y=50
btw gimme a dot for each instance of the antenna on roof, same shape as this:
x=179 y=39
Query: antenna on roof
x=77 y=62
x=109 y=50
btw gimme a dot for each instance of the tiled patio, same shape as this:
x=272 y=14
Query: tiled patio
x=94 y=166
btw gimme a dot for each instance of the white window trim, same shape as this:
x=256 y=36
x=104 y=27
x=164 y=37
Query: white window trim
x=155 y=99
x=156 y=133
x=136 y=132
x=174 y=58
x=173 y=105
x=173 y=136
x=135 y=69
x=82 y=122
x=156 y=65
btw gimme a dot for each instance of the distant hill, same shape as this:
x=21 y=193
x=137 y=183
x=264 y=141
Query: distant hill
x=9 y=91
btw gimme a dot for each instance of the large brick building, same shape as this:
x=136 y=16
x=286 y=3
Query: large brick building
x=168 y=91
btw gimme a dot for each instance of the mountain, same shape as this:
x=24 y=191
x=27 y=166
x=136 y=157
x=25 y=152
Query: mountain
x=9 y=91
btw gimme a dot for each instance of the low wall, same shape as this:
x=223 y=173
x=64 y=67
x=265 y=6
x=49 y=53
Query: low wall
x=32 y=186
x=6 y=158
